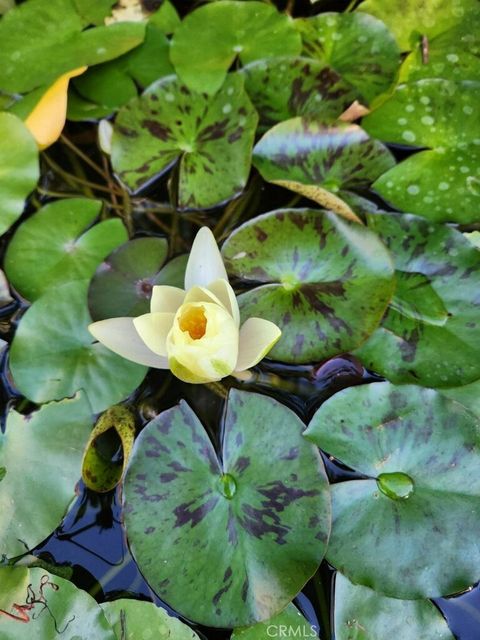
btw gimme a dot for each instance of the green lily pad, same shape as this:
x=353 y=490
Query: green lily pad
x=409 y=20
x=419 y=543
x=429 y=335
x=212 y=138
x=122 y=284
x=144 y=620
x=59 y=610
x=58 y=245
x=53 y=354
x=363 y=614
x=324 y=281
x=209 y=39
x=288 y=624
x=41 y=455
x=94 y=11
x=357 y=46
x=282 y=88
x=19 y=169
x=442 y=184
x=257 y=530
x=33 y=33
x=333 y=158
x=14 y=583
x=468 y=395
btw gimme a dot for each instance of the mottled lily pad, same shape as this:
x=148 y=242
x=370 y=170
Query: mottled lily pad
x=19 y=169
x=254 y=531
x=288 y=623
x=409 y=529
x=53 y=354
x=324 y=281
x=209 y=39
x=443 y=183
x=409 y=20
x=59 y=610
x=430 y=334
x=211 y=137
x=357 y=46
x=332 y=158
x=282 y=88
x=468 y=395
x=144 y=620
x=41 y=456
x=58 y=245
x=33 y=33
x=363 y=614
x=122 y=285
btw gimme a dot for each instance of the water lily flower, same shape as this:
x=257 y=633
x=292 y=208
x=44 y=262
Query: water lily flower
x=196 y=332
x=47 y=119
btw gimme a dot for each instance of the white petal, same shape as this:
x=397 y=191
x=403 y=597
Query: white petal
x=224 y=292
x=257 y=337
x=120 y=336
x=153 y=329
x=202 y=294
x=166 y=299
x=205 y=262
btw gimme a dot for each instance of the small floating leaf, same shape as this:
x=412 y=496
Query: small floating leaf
x=324 y=281
x=41 y=454
x=268 y=535
x=58 y=245
x=19 y=169
x=363 y=614
x=357 y=46
x=288 y=623
x=430 y=334
x=122 y=284
x=53 y=354
x=211 y=137
x=99 y=471
x=383 y=540
x=209 y=39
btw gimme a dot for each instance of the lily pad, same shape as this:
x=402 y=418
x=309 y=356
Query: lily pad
x=94 y=11
x=58 y=245
x=53 y=355
x=282 y=88
x=443 y=183
x=144 y=620
x=363 y=614
x=41 y=455
x=409 y=529
x=332 y=158
x=468 y=395
x=332 y=37
x=257 y=530
x=430 y=334
x=209 y=39
x=288 y=624
x=19 y=169
x=409 y=20
x=33 y=33
x=324 y=281
x=59 y=610
x=14 y=583
x=123 y=283
x=211 y=137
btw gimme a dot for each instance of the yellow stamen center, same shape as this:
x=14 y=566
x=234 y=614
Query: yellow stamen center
x=194 y=321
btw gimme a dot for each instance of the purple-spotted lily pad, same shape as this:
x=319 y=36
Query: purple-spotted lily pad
x=254 y=522
x=282 y=88
x=210 y=136
x=209 y=39
x=409 y=529
x=332 y=158
x=123 y=283
x=363 y=614
x=58 y=245
x=357 y=46
x=442 y=183
x=324 y=281
x=431 y=332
